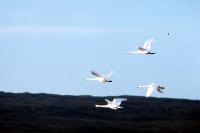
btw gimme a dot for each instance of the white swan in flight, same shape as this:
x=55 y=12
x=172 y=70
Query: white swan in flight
x=115 y=104
x=145 y=50
x=151 y=87
x=101 y=78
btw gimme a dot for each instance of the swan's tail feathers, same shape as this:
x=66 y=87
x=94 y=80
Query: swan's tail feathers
x=162 y=87
x=151 y=53
x=160 y=90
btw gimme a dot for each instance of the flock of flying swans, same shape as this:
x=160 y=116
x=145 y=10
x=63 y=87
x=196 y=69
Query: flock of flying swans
x=115 y=104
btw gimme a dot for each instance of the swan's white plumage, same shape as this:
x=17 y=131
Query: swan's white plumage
x=148 y=43
x=145 y=50
x=115 y=104
x=89 y=78
x=151 y=88
x=118 y=101
x=100 y=78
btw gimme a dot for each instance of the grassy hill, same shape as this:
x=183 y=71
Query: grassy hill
x=40 y=113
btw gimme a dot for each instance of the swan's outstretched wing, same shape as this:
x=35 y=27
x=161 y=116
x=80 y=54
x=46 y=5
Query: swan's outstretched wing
x=118 y=101
x=108 y=101
x=142 y=49
x=148 y=43
x=95 y=74
x=150 y=91
x=109 y=74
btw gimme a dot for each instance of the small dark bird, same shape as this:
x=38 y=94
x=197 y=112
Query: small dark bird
x=168 y=34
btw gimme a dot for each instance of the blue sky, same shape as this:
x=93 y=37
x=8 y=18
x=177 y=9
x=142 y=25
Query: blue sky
x=49 y=46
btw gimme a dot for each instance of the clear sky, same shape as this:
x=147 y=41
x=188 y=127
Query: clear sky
x=49 y=46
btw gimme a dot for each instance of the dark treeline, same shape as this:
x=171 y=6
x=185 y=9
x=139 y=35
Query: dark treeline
x=41 y=113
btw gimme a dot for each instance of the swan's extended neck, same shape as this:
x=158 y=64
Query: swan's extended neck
x=101 y=106
x=143 y=86
x=132 y=52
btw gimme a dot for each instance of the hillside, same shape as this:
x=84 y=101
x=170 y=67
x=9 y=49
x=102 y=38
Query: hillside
x=40 y=113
